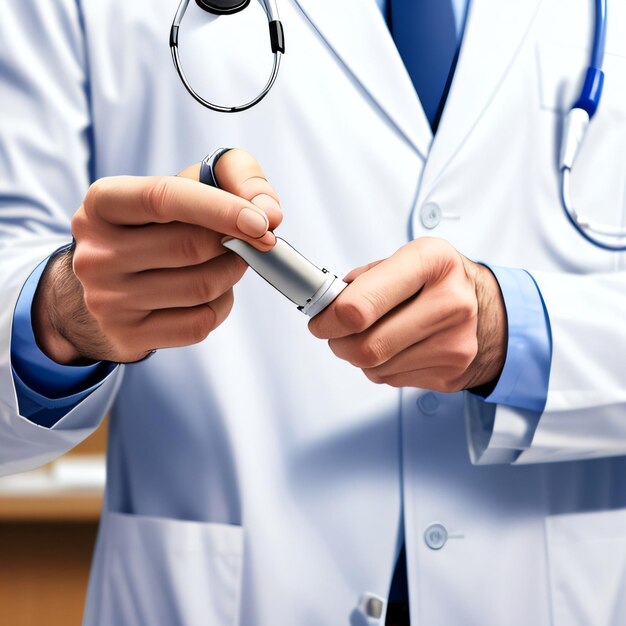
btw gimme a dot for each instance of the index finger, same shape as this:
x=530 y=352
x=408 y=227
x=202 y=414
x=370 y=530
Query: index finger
x=132 y=201
x=240 y=173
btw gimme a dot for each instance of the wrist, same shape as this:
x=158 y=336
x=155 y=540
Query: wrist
x=492 y=330
x=47 y=312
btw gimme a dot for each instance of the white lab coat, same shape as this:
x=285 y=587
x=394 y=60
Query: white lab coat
x=255 y=479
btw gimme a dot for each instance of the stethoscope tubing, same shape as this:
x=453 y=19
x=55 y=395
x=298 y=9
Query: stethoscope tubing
x=575 y=126
x=605 y=237
x=590 y=229
x=599 y=34
x=277 y=41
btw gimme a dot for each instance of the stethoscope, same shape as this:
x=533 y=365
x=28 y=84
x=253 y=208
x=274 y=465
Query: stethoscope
x=603 y=236
x=228 y=7
x=574 y=128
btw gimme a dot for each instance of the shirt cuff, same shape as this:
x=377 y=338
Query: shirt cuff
x=524 y=380
x=46 y=390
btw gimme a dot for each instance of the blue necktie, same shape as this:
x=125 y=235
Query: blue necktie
x=426 y=37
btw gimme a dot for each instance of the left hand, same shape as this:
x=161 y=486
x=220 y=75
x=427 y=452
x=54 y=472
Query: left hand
x=425 y=317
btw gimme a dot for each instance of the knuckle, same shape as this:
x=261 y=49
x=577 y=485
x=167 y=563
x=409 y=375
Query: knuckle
x=439 y=385
x=371 y=352
x=83 y=262
x=335 y=346
x=96 y=194
x=189 y=248
x=203 y=286
x=235 y=269
x=227 y=303
x=79 y=263
x=466 y=352
x=434 y=246
x=79 y=223
x=467 y=306
x=256 y=185
x=354 y=315
x=445 y=384
x=443 y=247
x=201 y=325
x=94 y=263
x=155 y=196
x=222 y=307
x=462 y=305
x=439 y=258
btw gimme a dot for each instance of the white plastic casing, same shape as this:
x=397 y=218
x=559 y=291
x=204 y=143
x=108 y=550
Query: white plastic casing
x=574 y=128
x=324 y=296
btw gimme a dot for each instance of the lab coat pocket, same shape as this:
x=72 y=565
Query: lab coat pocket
x=562 y=70
x=170 y=572
x=587 y=565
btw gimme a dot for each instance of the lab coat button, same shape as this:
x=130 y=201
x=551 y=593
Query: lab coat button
x=436 y=536
x=430 y=215
x=428 y=403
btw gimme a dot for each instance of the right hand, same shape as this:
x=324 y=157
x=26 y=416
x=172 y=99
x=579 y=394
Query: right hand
x=148 y=270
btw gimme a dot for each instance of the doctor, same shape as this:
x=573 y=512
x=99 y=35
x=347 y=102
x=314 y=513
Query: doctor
x=255 y=478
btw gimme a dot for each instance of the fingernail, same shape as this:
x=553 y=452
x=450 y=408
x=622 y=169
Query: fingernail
x=252 y=223
x=265 y=202
x=269 y=238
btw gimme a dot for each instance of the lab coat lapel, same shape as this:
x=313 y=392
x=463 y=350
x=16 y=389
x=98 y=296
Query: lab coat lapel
x=356 y=32
x=494 y=32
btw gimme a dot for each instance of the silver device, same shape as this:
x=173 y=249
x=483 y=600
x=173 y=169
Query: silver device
x=312 y=289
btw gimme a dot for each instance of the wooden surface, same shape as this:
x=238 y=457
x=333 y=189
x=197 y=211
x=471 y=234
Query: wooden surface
x=47 y=538
x=43 y=573
x=64 y=506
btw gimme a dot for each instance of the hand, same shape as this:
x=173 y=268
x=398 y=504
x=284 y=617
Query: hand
x=425 y=317
x=148 y=269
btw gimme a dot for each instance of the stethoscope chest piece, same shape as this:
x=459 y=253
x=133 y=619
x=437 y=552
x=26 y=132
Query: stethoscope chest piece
x=223 y=7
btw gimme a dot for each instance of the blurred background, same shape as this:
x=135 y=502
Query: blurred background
x=48 y=523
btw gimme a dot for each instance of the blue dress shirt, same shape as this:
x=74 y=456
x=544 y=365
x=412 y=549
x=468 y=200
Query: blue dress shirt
x=47 y=391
